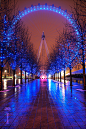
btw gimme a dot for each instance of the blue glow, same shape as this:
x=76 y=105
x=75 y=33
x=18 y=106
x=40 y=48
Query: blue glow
x=25 y=12
x=41 y=7
x=77 y=33
x=48 y=8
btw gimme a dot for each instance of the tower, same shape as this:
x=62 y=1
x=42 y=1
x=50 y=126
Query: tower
x=43 y=42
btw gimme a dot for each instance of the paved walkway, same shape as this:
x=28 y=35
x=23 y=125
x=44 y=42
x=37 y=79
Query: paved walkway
x=43 y=104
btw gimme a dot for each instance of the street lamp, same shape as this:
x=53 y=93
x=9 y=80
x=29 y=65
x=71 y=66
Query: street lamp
x=19 y=75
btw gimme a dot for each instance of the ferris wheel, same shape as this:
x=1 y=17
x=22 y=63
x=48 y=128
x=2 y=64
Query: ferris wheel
x=49 y=22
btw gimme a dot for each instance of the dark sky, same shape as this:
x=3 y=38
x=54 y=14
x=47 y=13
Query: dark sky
x=49 y=22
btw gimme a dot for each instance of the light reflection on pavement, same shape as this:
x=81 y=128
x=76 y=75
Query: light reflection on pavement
x=43 y=103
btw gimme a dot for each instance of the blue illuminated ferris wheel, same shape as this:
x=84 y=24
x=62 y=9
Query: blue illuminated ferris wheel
x=47 y=8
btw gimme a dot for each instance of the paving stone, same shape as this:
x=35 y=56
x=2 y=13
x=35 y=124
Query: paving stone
x=42 y=107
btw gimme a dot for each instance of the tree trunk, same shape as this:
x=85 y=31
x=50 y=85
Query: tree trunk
x=64 y=77
x=14 y=77
x=31 y=76
x=25 y=76
x=70 y=78
x=60 y=76
x=21 y=76
x=84 y=82
x=1 y=87
x=28 y=77
x=54 y=76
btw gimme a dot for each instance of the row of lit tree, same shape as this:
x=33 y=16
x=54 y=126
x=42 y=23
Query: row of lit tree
x=68 y=50
x=18 y=51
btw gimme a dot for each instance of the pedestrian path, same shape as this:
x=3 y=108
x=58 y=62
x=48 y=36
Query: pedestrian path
x=70 y=104
x=43 y=104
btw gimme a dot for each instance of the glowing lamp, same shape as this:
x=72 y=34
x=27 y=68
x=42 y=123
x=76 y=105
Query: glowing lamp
x=49 y=76
x=62 y=73
x=5 y=71
x=43 y=77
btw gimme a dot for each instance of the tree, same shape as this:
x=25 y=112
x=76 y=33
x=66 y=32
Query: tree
x=79 y=14
x=6 y=15
x=71 y=48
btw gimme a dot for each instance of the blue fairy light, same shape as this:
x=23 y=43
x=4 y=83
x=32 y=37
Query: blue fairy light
x=53 y=8
x=33 y=9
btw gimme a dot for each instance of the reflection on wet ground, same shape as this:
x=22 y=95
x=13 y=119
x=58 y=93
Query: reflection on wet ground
x=43 y=104
x=70 y=104
x=9 y=82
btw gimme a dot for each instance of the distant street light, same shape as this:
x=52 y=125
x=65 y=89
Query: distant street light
x=19 y=75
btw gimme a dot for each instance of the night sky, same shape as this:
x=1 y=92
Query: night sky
x=49 y=22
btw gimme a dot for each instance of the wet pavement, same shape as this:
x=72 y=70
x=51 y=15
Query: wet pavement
x=43 y=104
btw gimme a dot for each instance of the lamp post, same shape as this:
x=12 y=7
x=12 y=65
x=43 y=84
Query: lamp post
x=19 y=75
